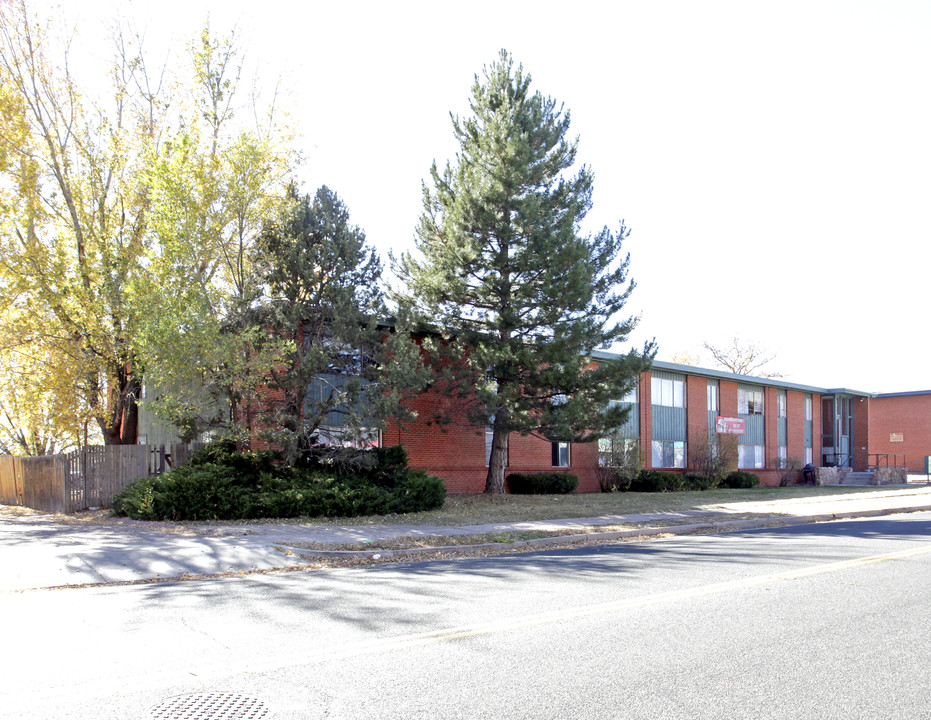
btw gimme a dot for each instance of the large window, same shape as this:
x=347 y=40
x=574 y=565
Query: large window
x=668 y=454
x=613 y=451
x=668 y=392
x=749 y=402
x=750 y=456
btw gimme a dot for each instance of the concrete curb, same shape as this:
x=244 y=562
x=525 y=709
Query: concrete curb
x=646 y=533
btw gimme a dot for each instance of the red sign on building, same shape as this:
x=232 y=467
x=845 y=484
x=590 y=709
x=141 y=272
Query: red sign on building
x=729 y=426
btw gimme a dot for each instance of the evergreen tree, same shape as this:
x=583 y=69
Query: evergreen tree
x=343 y=373
x=520 y=296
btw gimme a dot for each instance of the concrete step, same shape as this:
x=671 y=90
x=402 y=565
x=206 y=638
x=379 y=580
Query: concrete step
x=858 y=478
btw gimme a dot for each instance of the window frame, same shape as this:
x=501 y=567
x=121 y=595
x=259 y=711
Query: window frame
x=759 y=457
x=667 y=392
x=750 y=402
x=560 y=451
x=674 y=449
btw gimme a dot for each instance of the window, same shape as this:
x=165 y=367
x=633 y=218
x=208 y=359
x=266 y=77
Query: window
x=668 y=392
x=750 y=456
x=749 y=402
x=344 y=436
x=632 y=396
x=782 y=452
x=668 y=454
x=808 y=407
x=560 y=454
x=614 y=450
x=808 y=456
x=712 y=396
x=781 y=404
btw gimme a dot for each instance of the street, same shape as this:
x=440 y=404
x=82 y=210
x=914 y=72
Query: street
x=810 y=621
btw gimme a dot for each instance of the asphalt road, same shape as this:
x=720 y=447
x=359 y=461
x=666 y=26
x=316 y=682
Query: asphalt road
x=817 y=621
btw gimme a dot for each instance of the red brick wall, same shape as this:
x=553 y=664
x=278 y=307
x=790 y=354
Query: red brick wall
x=696 y=415
x=795 y=425
x=770 y=428
x=727 y=398
x=816 y=430
x=861 y=433
x=646 y=418
x=455 y=451
x=909 y=415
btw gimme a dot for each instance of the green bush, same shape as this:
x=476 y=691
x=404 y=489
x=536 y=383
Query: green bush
x=545 y=483
x=697 y=481
x=740 y=479
x=223 y=485
x=657 y=481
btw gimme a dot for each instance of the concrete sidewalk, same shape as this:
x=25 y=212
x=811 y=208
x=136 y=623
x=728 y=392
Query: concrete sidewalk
x=45 y=551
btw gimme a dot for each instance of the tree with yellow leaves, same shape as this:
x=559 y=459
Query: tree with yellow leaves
x=113 y=213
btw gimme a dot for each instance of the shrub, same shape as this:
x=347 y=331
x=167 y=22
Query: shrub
x=714 y=457
x=546 y=483
x=697 y=481
x=740 y=479
x=619 y=461
x=788 y=469
x=224 y=485
x=657 y=481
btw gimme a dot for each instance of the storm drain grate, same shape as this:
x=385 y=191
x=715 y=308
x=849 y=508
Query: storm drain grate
x=210 y=706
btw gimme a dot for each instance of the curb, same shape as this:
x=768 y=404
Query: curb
x=645 y=533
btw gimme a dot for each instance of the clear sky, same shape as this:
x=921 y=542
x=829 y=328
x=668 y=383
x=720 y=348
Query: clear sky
x=772 y=159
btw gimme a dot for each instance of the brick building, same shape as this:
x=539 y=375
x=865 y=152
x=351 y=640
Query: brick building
x=674 y=416
x=900 y=429
x=674 y=413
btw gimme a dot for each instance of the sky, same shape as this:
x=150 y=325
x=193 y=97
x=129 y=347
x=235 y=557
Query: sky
x=771 y=159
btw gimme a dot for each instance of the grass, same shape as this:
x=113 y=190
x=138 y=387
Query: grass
x=480 y=509
x=477 y=509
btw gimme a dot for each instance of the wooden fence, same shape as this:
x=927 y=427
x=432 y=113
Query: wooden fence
x=85 y=478
x=34 y=482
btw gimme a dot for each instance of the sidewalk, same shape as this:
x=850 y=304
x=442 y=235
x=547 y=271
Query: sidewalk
x=46 y=551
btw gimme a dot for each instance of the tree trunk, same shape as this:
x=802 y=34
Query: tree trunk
x=497 y=463
x=123 y=425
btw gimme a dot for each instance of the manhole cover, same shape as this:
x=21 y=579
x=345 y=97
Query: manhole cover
x=210 y=706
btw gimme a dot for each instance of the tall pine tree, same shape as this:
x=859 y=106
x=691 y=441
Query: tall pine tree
x=503 y=271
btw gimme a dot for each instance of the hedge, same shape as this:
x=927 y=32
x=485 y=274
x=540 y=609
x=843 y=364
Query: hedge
x=218 y=484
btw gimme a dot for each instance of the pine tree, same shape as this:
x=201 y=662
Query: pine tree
x=521 y=297
x=342 y=373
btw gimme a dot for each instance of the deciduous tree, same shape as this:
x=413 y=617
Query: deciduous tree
x=128 y=222
x=504 y=272
x=74 y=207
x=743 y=357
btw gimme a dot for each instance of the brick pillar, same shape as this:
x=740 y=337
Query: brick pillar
x=770 y=427
x=696 y=416
x=646 y=418
x=795 y=425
